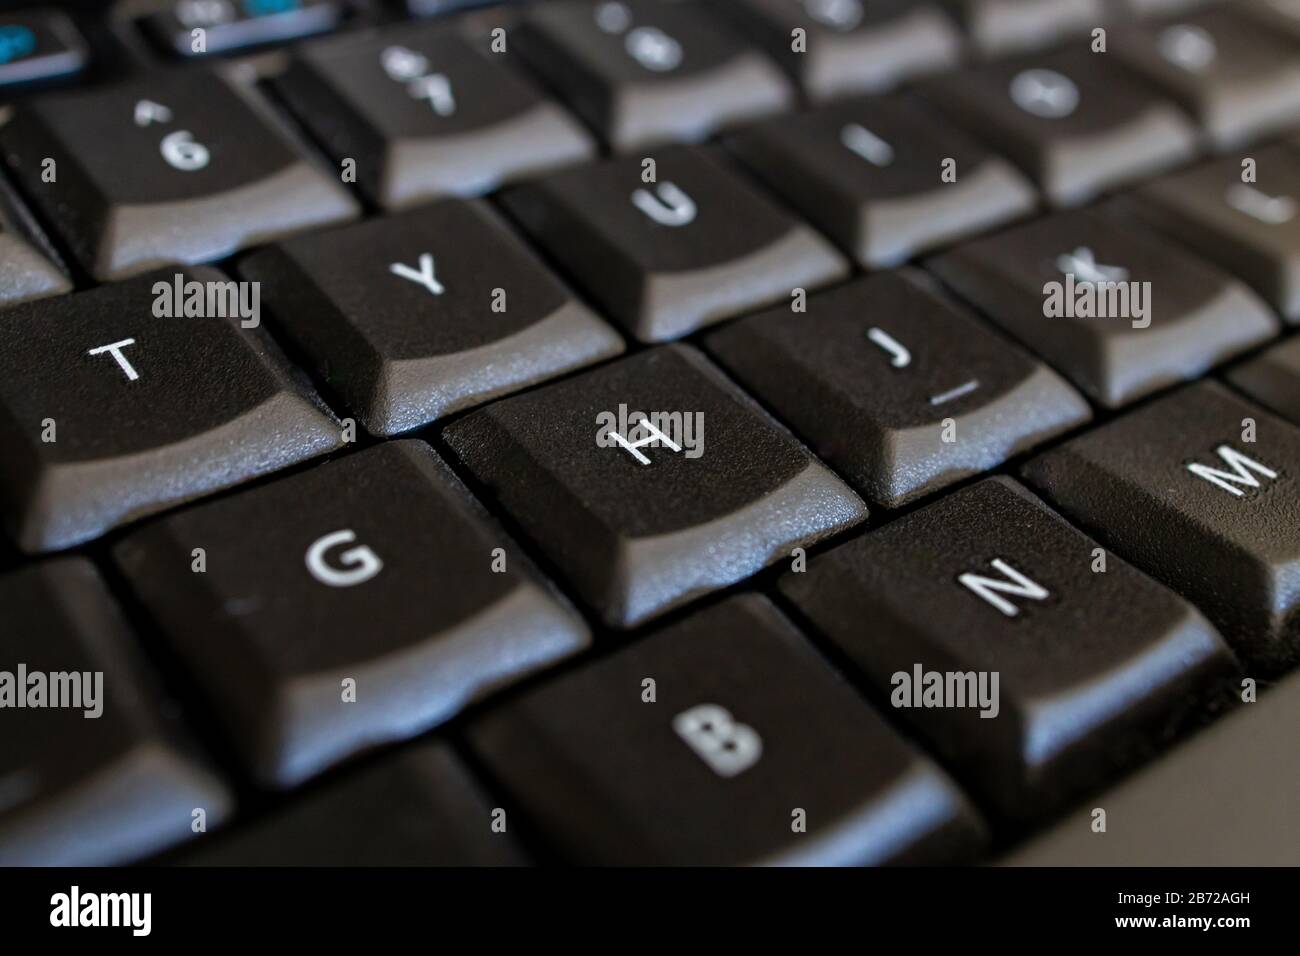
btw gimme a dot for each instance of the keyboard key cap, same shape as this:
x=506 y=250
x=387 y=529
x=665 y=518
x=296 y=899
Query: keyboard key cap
x=1000 y=27
x=644 y=514
x=1076 y=126
x=897 y=366
x=665 y=257
x=989 y=584
x=26 y=269
x=1088 y=323
x=163 y=170
x=425 y=112
x=1273 y=378
x=1159 y=817
x=1177 y=488
x=869 y=173
x=104 y=777
x=645 y=71
x=109 y=412
x=280 y=628
x=1252 y=229
x=419 y=807
x=229 y=25
x=39 y=44
x=1238 y=80
x=746 y=732
x=850 y=46
x=414 y=316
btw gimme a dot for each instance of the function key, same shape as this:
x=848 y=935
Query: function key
x=196 y=27
x=39 y=44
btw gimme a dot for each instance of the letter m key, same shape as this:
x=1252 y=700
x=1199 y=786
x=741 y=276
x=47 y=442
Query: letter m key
x=1241 y=473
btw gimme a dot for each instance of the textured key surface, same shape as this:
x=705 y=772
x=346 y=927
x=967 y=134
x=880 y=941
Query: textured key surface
x=159 y=170
x=1273 y=378
x=640 y=528
x=1252 y=229
x=1190 y=808
x=388 y=528
x=419 y=807
x=666 y=257
x=1075 y=128
x=26 y=269
x=426 y=112
x=1175 y=488
x=747 y=727
x=644 y=71
x=120 y=412
x=871 y=374
x=1089 y=324
x=850 y=46
x=1237 y=79
x=869 y=173
x=102 y=778
x=988 y=581
x=414 y=316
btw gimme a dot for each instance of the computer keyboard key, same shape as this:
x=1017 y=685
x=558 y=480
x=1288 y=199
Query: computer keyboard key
x=110 y=411
x=1273 y=378
x=1190 y=808
x=926 y=392
x=418 y=807
x=1077 y=126
x=1251 y=228
x=645 y=71
x=1001 y=27
x=27 y=268
x=39 y=44
x=413 y=316
x=177 y=167
x=1238 y=79
x=721 y=740
x=1201 y=489
x=665 y=257
x=651 y=481
x=280 y=626
x=850 y=46
x=426 y=112
x=1064 y=672
x=870 y=173
x=229 y=26
x=1121 y=312
x=93 y=770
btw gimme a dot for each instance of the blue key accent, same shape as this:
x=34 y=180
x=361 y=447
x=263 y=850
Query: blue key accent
x=264 y=8
x=16 y=42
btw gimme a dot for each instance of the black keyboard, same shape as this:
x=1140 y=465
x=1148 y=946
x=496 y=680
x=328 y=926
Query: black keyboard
x=670 y=432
